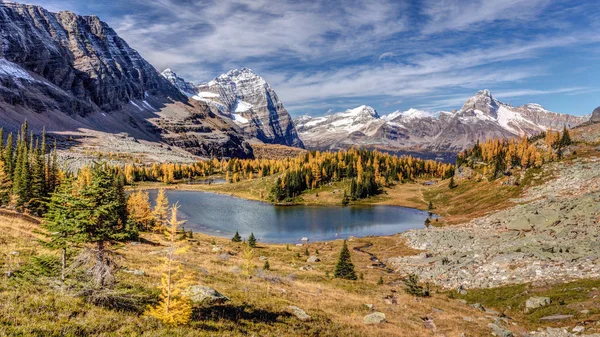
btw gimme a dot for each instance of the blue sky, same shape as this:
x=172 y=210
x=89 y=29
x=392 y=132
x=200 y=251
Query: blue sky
x=325 y=56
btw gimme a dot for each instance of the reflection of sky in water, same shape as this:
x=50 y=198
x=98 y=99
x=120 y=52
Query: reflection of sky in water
x=223 y=215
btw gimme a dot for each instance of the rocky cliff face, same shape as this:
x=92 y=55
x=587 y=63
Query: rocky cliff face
x=249 y=101
x=80 y=55
x=481 y=117
x=70 y=73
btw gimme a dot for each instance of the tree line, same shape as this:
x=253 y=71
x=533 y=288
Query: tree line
x=496 y=156
x=368 y=171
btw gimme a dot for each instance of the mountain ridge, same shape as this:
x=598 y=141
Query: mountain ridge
x=481 y=117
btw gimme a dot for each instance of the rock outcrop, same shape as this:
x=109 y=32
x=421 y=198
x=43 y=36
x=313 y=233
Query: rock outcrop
x=595 y=116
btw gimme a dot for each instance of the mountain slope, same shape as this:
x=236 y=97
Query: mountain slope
x=248 y=100
x=481 y=117
x=75 y=76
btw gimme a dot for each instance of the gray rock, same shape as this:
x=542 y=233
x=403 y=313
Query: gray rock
x=555 y=318
x=306 y=268
x=579 y=329
x=478 y=306
x=428 y=323
x=369 y=306
x=135 y=272
x=199 y=294
x=374 y=318
x=499 y=331
x=299 y=313
x=595 y=116
x=313 y=259
x=536 y=302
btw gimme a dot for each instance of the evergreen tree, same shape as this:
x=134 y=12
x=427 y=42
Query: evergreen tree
x=451 y=184
x=38 y=182
x=174 y=307
x=267 y=266
x=5 y=185
x=161 y=209
x=60 y=222
x=236 y=237
x=22 y=175
x=380 y=281
x=102 y=214
x=252 y=240
x=344 y=268
x=8 y=156
x=565 y=140
x=430 y=207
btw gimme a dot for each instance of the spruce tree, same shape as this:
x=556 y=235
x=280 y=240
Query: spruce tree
x=8 y=156
x=344 y=268
x=61 y=224
x=451 y=184
x=5 y=185
x=252 y=240
x=565 y=140
x=267 y=266
x=102 y=215
x=236 y=237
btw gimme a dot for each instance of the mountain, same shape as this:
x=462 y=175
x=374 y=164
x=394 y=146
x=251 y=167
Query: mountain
x=75 y=76
x=481 y=117
x=248 y=100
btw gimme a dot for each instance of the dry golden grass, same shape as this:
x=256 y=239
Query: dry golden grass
x=275 y=151
x=257 y=305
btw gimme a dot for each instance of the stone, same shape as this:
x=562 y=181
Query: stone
x=429 y=324
x=595 y=115
x=369 y=306
x=499 y=331
x=478 y=306
x=299 y=313
x=535 y=303
x=217 y=248
x=461 y=290
x=313 y=259
x=578 y=329
x=135 y=272
x=306 y=268
x=374 y=318
x=199 y=294
x=555 y=318
x=262 y=258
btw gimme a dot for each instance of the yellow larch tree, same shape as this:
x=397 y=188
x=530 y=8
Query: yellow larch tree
x=161 y=210
x=138 y=208
x=174 y=308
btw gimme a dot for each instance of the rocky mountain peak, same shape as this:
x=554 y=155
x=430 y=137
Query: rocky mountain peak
x=364 y=111
x=185 y=87
x=482 y=102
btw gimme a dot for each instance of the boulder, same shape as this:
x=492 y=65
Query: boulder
x=499 y=331
x=204 y=295
x=313 y=259
x=135 y=272
x=374 y=318
x=534 y=303
x=306 y=268
x=555 y=318
x=299 y=313
x=595 y=116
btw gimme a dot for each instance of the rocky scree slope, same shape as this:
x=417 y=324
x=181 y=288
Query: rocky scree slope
x=549 y=236
x=72 y=73
x=482 y=117
x=248 y=100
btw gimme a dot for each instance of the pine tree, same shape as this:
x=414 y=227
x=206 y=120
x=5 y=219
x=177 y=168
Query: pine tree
x=252 y=241
x=236 y=237
x=430 y=207
x=102 y=214
x=174 y=307
x=60 y=222
x=38 y=182
x=5 y=185
x=8 y=156
x=566 y=138
x=161 y=209
x=380 y=281
x=139 y=211
x=451 y=184
x=344 y=268
x=267 y=266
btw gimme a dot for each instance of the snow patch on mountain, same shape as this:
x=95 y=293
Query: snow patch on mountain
x=13 y=70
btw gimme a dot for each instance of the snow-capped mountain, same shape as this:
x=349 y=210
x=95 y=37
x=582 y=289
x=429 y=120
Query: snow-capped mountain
x=481 y=117
x=248 y=100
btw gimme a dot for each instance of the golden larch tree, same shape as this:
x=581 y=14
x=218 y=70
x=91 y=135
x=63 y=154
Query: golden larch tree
x=174 y=307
